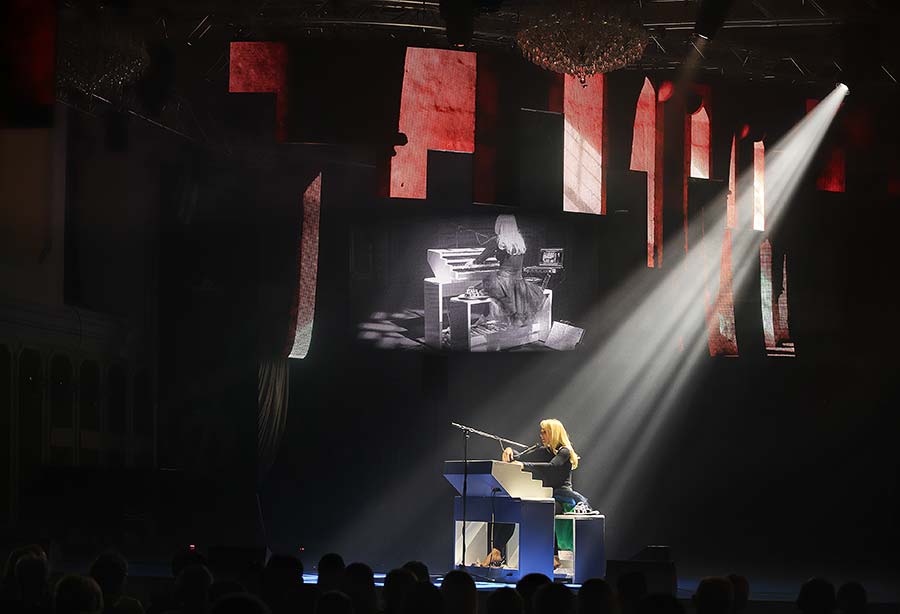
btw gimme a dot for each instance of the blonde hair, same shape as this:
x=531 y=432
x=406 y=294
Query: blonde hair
x=559 y=437
x=509 y=239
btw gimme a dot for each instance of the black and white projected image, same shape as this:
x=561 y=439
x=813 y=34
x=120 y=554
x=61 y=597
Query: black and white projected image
x=462 y=283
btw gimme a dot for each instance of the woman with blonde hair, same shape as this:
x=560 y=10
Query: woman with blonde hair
x=552 y=462
x=517 y=299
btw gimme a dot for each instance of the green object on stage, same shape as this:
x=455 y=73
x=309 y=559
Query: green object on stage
x=565 y=529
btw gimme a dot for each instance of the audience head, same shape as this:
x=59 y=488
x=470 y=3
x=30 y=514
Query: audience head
x=419 y=569
x=554 y=599
x=331 y=571
x=459 y=594
x=9 y=571
x=816 y=596
x=397 y=584
x=31 y=576
x=660 y=604
x=527 y=586
x=852 y=598
x=741 y=587
x=222 y=588
x=192 y=587
x=359 y=584
x=186 y=558
x=280 y=575
x=714 y=595
x=334 y=602
x=76 y=594
x=239 y=603
x=109 y=570
x=596 y=596
x=632 y=587
x=505 y=601
x=423 y=598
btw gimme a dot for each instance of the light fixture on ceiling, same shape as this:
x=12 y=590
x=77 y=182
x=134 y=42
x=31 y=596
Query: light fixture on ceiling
x=581 y=37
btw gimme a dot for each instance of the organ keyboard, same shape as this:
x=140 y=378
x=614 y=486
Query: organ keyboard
x=453 y=273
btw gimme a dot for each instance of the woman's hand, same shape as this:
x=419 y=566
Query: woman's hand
x=507 y=455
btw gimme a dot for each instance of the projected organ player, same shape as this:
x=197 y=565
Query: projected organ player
x=552 y=462
x=514 y=300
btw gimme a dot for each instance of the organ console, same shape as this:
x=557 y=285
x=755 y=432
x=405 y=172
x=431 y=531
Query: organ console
x=453 y=273
x=502 y=493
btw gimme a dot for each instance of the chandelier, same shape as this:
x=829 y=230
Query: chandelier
x=581 y=38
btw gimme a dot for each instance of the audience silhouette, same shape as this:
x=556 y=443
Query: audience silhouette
x=419 y=569
x=715 y=595
x=331 y=572
x=505 y=601
x=554 y=599
x=397 y=584
x=596 y=596
x=852 y=598
x=278 y=588
x=816 y=597
x=527 y=586
x=459 y=593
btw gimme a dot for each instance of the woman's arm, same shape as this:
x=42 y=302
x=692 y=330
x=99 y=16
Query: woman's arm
x=562 y=457
x=490 y=248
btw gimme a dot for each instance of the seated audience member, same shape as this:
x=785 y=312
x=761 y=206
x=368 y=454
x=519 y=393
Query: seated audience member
x=554 y=599
x=596 y=596
x=397 y=584
x=458 y=593
x=714 y=595
x=660 y=604
x=76 y=594
x=334 y=602
x=331 y=572
x=9 y=590
x=359 y=585
x=423 y=598
x=31 y=575
x=816 y=597
x=110 y=571
x=281 y=584
x=741 y=587
x=239 y=603
x=222 y=588
x=527 y=586
x=164 y=600
x=192 y=589
x=419 y=569
x=505 y=601
x=631 y=588
x=852 y=598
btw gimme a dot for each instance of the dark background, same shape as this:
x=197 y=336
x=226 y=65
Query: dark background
x=779 y=468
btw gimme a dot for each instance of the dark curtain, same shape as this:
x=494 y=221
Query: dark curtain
x=273 y=393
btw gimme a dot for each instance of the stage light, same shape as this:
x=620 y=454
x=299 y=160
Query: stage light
x=666 y=91
x=843 y=88
x=459 y=20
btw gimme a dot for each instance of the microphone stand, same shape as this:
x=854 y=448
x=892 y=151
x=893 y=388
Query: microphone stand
x=467 y=432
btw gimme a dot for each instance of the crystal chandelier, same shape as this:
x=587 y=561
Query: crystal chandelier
x=581 y=38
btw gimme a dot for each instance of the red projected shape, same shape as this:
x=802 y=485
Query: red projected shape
x=774 y=304
x=645 y=157
x=833 y=177
x=720 y=312
x=437 y=111
x=700 y=144
x=731 y=199
x=261 y=68
x=759 y=185
x=303 y=310
x=583 y=189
